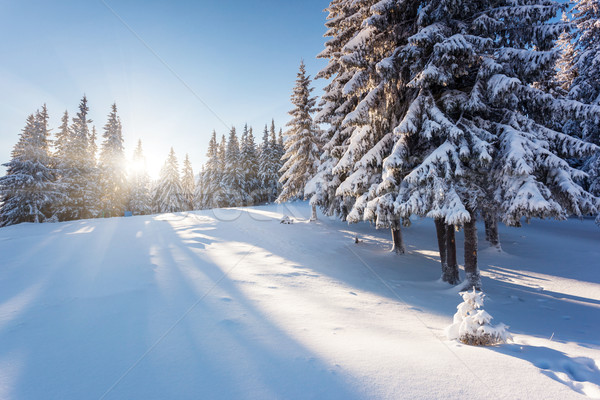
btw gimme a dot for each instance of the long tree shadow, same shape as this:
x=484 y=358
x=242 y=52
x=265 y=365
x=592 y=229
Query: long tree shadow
x=220 y=344
x=82 y=320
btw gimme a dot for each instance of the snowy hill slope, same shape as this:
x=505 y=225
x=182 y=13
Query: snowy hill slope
x=233 y=304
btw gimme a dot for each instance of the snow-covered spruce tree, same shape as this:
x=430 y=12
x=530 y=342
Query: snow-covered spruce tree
x=210 y=178
x=251 y=188
x=381 y=103
x=168 y=194
x=220 y=194
x=78 y=170
x=471 y=323
x=268 y=175
x=233 y=179
x=579 y=76
x=28 y=189
x=139 y=184
x=343 y=23
x=278 y=151
x=200 y=193
x=301 y=144
x=113 y=177
x=188 y=185
x=478 y=130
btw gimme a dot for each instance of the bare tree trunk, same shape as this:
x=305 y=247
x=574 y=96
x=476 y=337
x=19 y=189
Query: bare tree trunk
x=471 y=270
x=398 y=242
x=440 y=230
x=313 y=215
x=450 y=274
x=491 y=230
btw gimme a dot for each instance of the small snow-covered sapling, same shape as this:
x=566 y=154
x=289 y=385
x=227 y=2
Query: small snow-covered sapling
x=472 y=323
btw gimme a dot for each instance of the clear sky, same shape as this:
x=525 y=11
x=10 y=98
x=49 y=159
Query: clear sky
x=159 y=60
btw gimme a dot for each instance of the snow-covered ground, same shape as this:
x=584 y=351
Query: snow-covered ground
x=232 y=304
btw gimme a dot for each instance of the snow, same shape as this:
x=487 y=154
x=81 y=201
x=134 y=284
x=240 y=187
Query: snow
x=232 y=304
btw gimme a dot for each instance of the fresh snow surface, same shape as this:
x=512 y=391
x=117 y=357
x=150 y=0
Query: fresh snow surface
x=231 y=304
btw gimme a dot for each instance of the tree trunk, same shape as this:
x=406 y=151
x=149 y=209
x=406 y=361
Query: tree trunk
x=450 y=274
x=491 y=230
x=440 y=230
x=398 y=242
x=471 y=270
x=313 y=215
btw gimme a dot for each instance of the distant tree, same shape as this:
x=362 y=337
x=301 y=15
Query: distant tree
x=302 y=142
x=113 y=177
x=188 y=185
x=139 y=184
x=233 y=179
x=78 y=170
x=268 y=174
x=168 y=196
x=249 y=160
x=210 y=197
x=200 y=193
x=28 y=189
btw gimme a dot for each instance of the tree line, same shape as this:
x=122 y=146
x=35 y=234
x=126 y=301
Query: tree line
x=68 y=177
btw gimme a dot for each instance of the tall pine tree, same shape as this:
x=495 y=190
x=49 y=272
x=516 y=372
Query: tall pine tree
x=188 y=185
x=139 y=184
x=168 y=193
x=113 y=177
x=28 y=189
x=302 y=143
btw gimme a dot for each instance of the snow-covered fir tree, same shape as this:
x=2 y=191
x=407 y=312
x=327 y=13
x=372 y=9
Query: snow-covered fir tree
x=277 y=152
x=268 y=174
x=302 y=142
x=437 y=108
x=211 y=195
x=579 y=75
x=220 y=194
x=233 y=179
x=249 y=161
x=188 y=184
x=472 y=324
x=200 y=192
x=168 y=193
x=113 y=177
x=78 y=171
x=343 y=23
x=381 y=102
x=139 y=184
x=28 y=189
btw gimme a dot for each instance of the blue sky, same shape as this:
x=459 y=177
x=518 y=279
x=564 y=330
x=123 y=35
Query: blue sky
x=238 y=57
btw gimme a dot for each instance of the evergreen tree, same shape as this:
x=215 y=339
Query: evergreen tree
x=77 y=172
x=278 y=151
x=343 y=23
x=139 y=191
x=211 y=177
x=302 y=145
x=61 y=143
x=200 y=193
x=233 y=179
x=478 y=131
x=268 y=175
x=168 y=196
x=579 y=76
x=113 y=177
x=28 y=190
x=221 y=191
x=249 y=168
x=188 y=185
